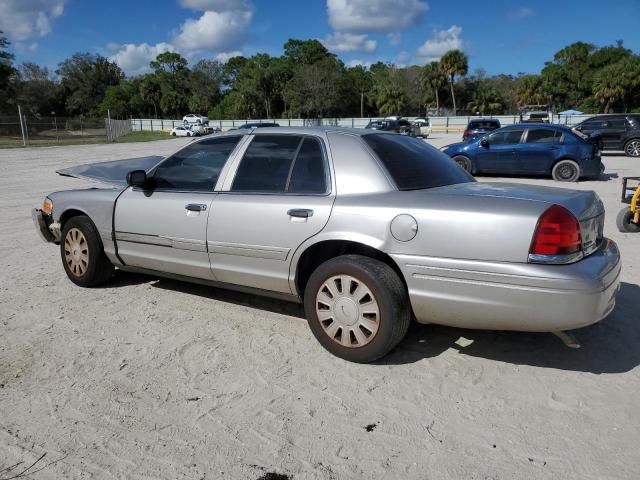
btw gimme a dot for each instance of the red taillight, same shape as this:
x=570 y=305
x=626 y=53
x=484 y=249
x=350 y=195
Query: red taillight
x=466 y=133
x=557 y=233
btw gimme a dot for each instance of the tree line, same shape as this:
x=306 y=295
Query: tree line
x=308 y=81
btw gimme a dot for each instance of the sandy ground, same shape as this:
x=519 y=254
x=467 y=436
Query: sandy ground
x=151 y=378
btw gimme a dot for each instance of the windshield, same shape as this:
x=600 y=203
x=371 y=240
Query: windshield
x=415 y=165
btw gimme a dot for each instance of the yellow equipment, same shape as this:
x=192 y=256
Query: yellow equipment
x=628 y=219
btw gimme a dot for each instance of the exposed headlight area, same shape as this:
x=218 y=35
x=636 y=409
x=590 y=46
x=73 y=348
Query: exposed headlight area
x=47 y=206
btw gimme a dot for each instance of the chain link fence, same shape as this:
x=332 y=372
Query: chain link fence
x=32 y=130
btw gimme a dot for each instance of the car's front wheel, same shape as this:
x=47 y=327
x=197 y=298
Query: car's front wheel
x=566 y=171
x=82 y=253
x=173 y=133
x=357 y=307
x=624 y=221
x=463 y=162
x=632 y=148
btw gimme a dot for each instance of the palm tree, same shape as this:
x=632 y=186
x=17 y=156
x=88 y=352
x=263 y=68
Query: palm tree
x=454 y=62
x=485 y=100
x=529 y=90
x=433 y=80
x=391 y=100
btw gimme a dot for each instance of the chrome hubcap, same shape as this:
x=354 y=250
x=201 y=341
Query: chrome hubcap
x=633 y=149
x=566 y=171
x=76 y=252
x=348 y=311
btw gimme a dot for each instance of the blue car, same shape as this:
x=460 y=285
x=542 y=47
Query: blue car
x=549 y=150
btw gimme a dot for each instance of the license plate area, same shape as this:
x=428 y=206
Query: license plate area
x=592 y=231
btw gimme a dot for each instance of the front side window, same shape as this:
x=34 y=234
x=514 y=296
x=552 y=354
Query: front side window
x=413 y=164
x=505 y=137
x=282 y=164
x=543 y=135
x=197 y=167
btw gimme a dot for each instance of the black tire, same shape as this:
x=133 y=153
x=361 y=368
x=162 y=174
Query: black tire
x=632 y=148
x=188 y=134
x=566 y=171
x=389 y=293
x=173 y=134
x=624 y=221
x=97 y=267
x=463 y=162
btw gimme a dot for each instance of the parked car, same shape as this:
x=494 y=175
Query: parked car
x=618 y=132
x=535 y=117
x=256 y=125
x=479 y=127
x=421 y=127
x=391 y=124
x=193 y=119
x=182 y=131
x=414 y=237
x=549 y=150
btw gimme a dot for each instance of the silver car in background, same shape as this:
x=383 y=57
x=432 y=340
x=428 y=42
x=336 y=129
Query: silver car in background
x=368 y=229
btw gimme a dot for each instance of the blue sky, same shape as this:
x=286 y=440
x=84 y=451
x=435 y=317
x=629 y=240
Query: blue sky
x=499 y=36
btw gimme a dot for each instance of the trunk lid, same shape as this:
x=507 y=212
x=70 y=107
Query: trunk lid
x=585 y=205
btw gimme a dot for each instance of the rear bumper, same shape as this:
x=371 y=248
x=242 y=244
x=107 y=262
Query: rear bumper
x=509 y=296
x=42 y=225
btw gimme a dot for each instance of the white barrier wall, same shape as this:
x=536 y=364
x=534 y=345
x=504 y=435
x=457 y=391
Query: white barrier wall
x=442 y=124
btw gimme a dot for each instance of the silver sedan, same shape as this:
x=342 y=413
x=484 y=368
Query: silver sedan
x=368 y=229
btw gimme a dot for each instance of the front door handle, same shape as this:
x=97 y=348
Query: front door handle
x=300 y=212
x=196 y=207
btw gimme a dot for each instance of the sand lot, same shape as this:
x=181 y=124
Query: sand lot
x=151 y=378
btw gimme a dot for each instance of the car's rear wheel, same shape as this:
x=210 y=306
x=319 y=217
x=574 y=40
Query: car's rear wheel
x=624 y=221
x=566 y=171
x=82 y=253
x=188 y=134
x=357 y=307
x=632 y=148
x=173 y=133
x=463 y=162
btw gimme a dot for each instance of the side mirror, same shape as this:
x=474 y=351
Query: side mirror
x=137 y=178
x=484 y=142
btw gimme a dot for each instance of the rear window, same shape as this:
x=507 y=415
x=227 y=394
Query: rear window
x=415 y=165
x=484 y=124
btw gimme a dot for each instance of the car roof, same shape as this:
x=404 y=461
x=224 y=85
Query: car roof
x=318 y=131
x=549 y=126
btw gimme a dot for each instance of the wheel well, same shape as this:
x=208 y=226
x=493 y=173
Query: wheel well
x=632 y=139
x=563 y=159
x=69 y=214
x=320 y=252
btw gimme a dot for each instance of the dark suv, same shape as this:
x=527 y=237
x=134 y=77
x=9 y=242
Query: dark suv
x=617 y=132
x=479 y=127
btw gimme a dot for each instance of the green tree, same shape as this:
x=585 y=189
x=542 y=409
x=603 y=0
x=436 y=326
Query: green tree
x=432 y=81
x=6 y=73
x=305 y=52
x=391 y=100
x=117 y=100
x=151 y=92
x=85 y=78
x=485 y=100
x=316 y=89
x=617 y=83
x=454 y=62
x=172 y=72
x=37 y=93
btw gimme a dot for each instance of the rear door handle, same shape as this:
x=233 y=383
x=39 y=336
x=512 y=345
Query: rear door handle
x=300 y=212
x=196 y=207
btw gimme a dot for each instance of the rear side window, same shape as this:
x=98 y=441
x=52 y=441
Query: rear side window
x=197 y=167
x=505 y=137
x=543 y=135
x=484 y=125
x=282 y=164
x=413 y=164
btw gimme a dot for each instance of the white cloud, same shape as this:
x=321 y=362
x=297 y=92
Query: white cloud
x=214 y=31
x=225 y=56
x=403 y=57
x=25 y=19
x=520 y=14
x=395 y=39
x=441 y=42
x=220 y=30
x=355 y=63
x=365 y=16
x=134 y=59
x=348 y=42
